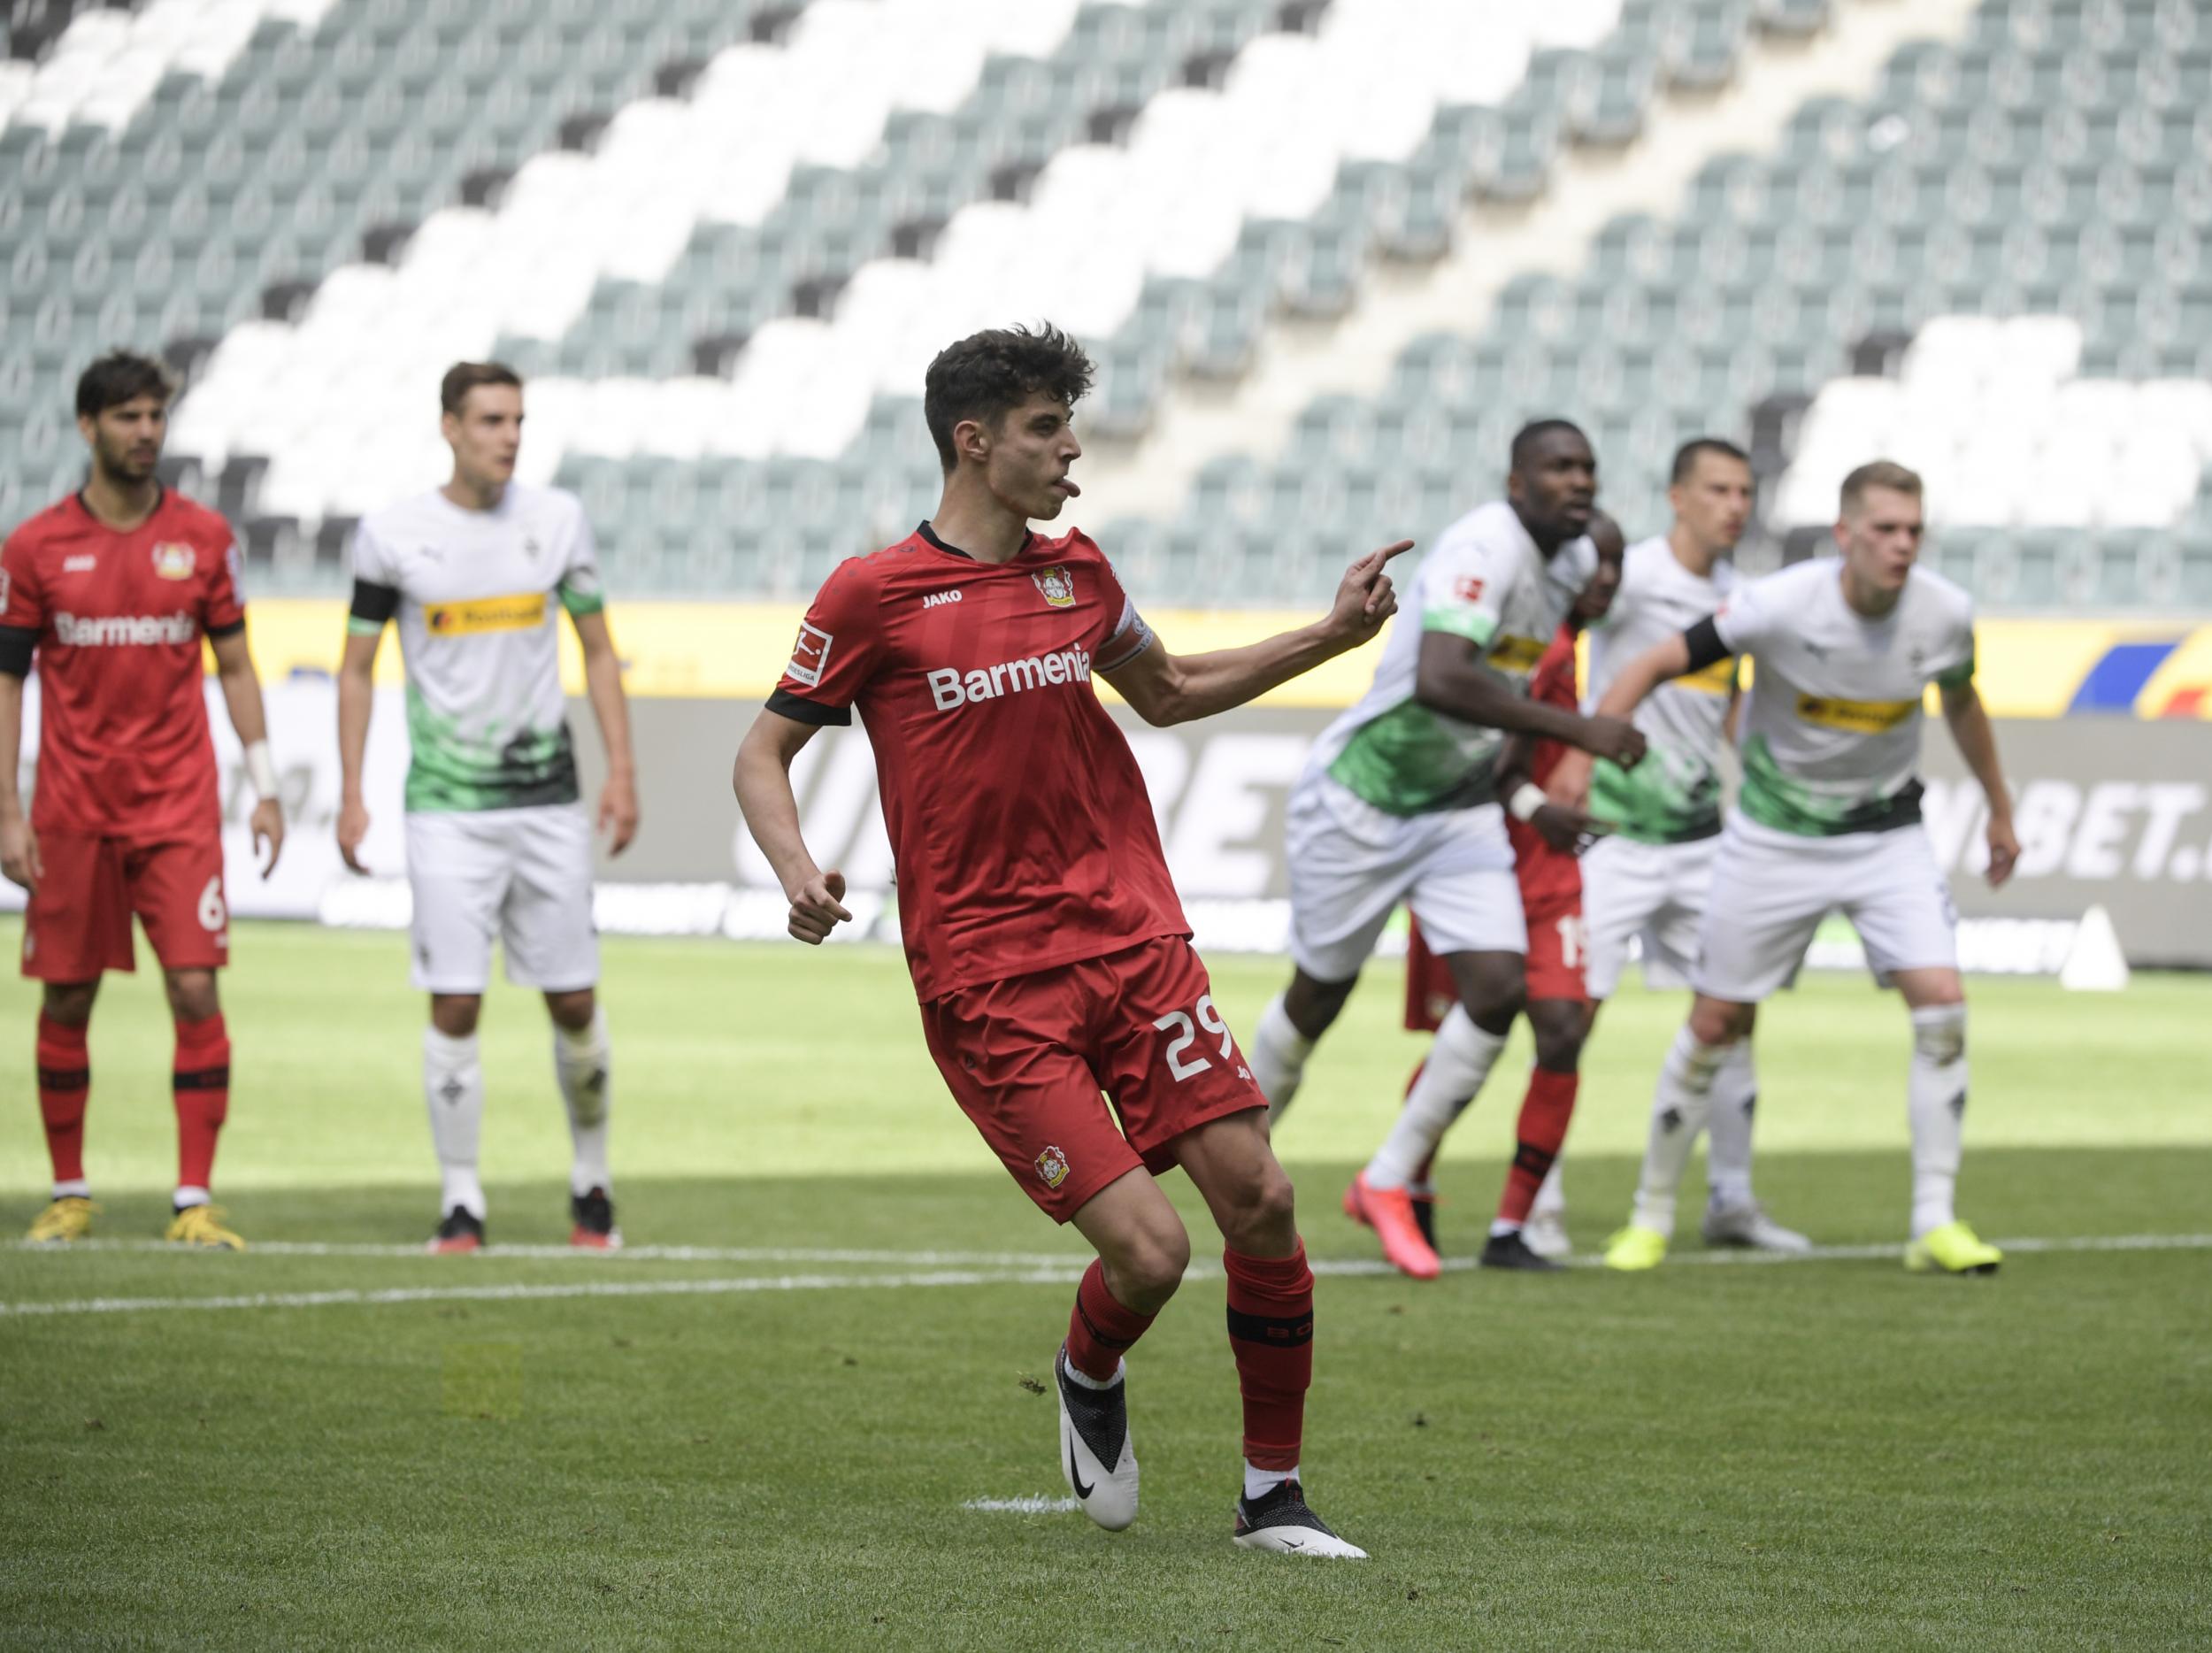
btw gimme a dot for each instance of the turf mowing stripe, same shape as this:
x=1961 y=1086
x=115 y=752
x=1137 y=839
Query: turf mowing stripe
x=1053 y=1272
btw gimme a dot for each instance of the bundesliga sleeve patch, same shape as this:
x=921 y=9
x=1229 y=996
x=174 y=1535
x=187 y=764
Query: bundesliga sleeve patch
x=810 y=656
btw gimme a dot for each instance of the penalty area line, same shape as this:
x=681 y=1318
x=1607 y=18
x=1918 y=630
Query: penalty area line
x=1037 y=1272
x=589 y=1254
x=1029 y=1504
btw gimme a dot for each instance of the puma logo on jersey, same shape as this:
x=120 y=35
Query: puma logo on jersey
x=108 y=631
x=949 y=687
x=937 y=597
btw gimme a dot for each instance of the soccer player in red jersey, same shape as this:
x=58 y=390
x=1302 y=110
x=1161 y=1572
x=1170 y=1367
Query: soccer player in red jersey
x=1546 y=837
x=1047 y=947
x=112 y=590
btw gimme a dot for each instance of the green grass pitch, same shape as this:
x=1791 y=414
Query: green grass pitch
x=766 y=1424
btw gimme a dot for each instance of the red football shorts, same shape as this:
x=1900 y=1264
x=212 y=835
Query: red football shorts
x=79 y=923
x=1551 y=901
x=1027 y=1058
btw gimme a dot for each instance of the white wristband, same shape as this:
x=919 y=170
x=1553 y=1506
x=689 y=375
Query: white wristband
x=261 y=770
x=1527 y=798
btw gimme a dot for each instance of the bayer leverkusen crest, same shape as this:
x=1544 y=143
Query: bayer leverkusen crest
x=1052 y=1166
x=1057 y=584
x=172 y=561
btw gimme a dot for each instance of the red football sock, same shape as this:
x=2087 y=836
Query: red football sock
x=202 y=1088
x=1271 y=1334
x=1101 y=1329
x=65 y=1081
x=1544 y=1110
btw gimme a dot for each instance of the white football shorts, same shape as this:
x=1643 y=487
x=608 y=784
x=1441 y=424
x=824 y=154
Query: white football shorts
x=1770 y=890
x=523 y=875
x=1655 y=890
x=1351 y=863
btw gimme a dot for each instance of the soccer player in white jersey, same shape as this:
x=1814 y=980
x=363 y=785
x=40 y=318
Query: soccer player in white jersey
x=477 y=573
x=1649 y=876
x=1397 y=803
x=1842 y=651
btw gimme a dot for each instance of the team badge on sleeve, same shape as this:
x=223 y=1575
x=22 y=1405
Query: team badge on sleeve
x=1052 y=1166
x=1057 y=584
x=810 y=656
x=172 y=561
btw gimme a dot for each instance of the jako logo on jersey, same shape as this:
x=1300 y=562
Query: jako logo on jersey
x=1058 y=586
x=1052 y=1166
x=936 y=597
x=172 y=561
x=949 y=687
x=521 y=612
x=107 y=631
x=84 y=564
x=810 y=655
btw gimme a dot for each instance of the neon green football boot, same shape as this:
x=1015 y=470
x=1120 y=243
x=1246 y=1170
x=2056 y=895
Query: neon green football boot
x=1953 y=1249
x=1636 y=1248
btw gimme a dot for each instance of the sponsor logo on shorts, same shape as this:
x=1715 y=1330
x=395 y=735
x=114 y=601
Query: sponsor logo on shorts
x=1057 y=584
x=112 y=631
x=524 y=612
x=1860 y=717
x=810 y=656
x=1052 y=1166
x=172 y=561
x=949 y=687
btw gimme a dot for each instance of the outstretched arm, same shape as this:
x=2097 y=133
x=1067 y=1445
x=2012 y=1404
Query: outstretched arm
x=1452 y=678
x=1969 y=718
x=241 y=694
x=1660 y=663
x=603 y=683
x=762 y=781
x=1175 y=688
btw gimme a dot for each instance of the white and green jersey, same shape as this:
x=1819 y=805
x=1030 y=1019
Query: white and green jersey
x=1831 y=722
x=478 y=595
x=1673 y=796
x=1485 y=580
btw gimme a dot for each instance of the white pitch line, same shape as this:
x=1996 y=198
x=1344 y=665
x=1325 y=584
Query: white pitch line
x=635 y=1254
x=1040 y=1271
x=1029 y=1504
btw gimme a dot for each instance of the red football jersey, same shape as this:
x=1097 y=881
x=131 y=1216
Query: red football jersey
x=115 y=621
x=1541 y=868
x=1021 y=834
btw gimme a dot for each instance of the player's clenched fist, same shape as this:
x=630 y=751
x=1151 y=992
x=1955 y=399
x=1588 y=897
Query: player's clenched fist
x=19 y=854
x=1617 y=739
x=1365 y=598
x=816 y=908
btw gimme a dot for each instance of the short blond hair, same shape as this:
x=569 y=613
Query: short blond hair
x=1877 y=473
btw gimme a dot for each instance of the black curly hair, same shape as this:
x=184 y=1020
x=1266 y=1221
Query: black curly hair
x=989 y=375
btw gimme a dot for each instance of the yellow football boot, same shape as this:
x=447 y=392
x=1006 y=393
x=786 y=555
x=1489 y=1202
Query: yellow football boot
x=202 y=1225
x=1953 y=1249
x=68 y=1218
x=1635 y=1248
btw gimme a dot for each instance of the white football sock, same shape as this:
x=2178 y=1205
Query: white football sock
x=72 y=1189
x=1279 y=1058
x=1458 y=1062
x=188 y=1196
x=1728 y=1129
x=1551 y=1198
x=1678 y=1114
x=1935 y=1100
x=1259 y=1483
x=583 y=1061
x=1083 y=1380
x=453 y=1088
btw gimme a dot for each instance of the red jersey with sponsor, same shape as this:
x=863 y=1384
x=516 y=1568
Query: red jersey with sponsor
x=1541 y=868
x=115 y=620
x=1021 y=833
